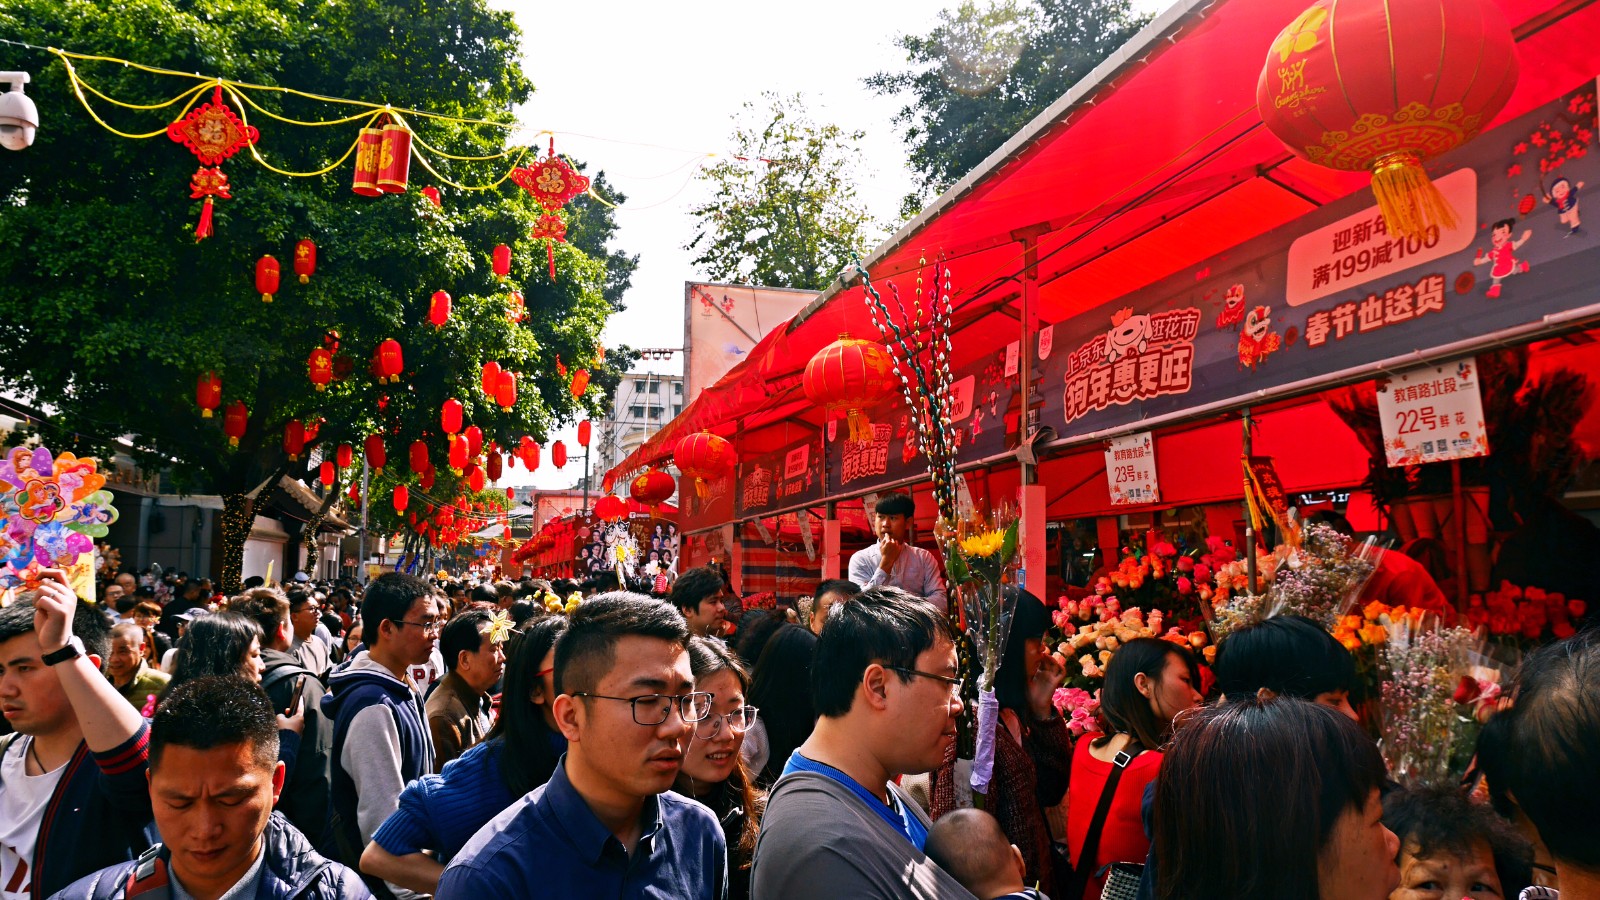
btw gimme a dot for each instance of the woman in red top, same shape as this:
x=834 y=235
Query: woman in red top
x=1148 y=682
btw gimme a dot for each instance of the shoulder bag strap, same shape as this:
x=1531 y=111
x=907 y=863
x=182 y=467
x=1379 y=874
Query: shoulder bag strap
x=1091 y=840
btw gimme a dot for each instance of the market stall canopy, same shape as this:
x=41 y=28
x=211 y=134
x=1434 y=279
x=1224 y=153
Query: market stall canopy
x=1156 y=162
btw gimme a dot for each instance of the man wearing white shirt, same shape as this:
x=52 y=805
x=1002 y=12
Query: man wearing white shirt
x=893 y=560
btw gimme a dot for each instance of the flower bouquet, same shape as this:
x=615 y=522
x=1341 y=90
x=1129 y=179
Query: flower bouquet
x=1160 y=578
x=1319 y=573
x=1086 y=634
x=980 y=553
x=1424 y=736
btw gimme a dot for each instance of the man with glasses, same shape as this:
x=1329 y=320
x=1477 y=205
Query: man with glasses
x=886 y=688
x=380 y=732
x=305 y=615
x=606 y=824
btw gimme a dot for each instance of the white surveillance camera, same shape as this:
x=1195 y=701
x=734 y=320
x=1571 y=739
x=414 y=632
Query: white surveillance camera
x=19 y=118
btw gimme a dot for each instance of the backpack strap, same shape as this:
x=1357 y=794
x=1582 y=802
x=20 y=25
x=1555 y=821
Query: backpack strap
x=149 y=879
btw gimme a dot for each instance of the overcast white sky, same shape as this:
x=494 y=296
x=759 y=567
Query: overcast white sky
x=673 y=75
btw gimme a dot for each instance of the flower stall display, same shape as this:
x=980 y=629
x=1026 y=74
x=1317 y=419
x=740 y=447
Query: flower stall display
x=1160 y=578
x=1319 y=574
x=1519 y=619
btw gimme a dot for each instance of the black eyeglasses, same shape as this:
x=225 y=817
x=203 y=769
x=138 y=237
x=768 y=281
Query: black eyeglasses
x=433 y=627
x=653 y=709
x=739 y=721
x=953 y=682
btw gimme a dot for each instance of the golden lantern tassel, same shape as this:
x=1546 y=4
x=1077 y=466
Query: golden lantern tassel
x=860 y=425
x=1408 y=199
x=700 y=489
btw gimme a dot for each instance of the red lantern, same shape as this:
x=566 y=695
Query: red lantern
x=344 y=455
x=502 y=261
x=394 y=158
x=610 y=508
x=704 y=456
x=450 y=416
x=402 y=497
x=851 y=375
x=390 y=361
x=432 y=193
x=458 y=456
x=1368 y=85
x=267 y=278
x=474 y=438
x=511 y=494
x=519 y=308
x=475 y=478
x=584 y=430
x=580 y=382
x=305 y=260
x=439 y=309
x=491 y=377
x=505 y=390
x=419 y=457
x=558 y=454
x=529 y=451
x=652 y=488
x=294 y=438
x=208 y=393
x=376 y=456
x=319 y=367
x=326 y=473
x=369 y=145
x=426 y=481
x=234 y=421
x=496 y=465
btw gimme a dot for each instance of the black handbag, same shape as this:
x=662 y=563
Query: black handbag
x=1078 y=880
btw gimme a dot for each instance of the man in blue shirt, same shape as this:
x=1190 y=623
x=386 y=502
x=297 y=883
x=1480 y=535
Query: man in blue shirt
x=606 y=824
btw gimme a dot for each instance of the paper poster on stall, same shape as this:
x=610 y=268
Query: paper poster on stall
x=1433 y=414
x=1131 y=469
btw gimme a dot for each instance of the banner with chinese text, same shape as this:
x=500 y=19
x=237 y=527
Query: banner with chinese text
x=1131 y=469
x=1433 y=414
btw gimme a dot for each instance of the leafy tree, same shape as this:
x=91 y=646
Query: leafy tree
x=986 y=70
x=785 y=213
x=112 y=310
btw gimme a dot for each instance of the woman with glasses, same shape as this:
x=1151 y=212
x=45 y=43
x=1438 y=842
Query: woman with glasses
x=713 y=770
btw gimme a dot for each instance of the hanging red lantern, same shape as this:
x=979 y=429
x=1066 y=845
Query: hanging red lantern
x=425 y=481
x=305 y=259
x=502 y=261
x=475 y=478
x=432 y=193
x=584 y=429
x=704 y=456
x=319 y=367
x=610 y=508
x=518 y=308
x=1368 y=85
x=344 y=455
x=505 y=389
x=267 y=278
x=212 y=133
x=458 y=456
x=491 y=377
x=419 y=457
x=580 y=382
x=850 y=376
x=450 y=417
x=529 y=451
x=390 y=361
x=402 y=497
x=376 y=455
x=369 y=146
x=439 y=309
x=496 y=465
x=474 y=437
x=234 y=420
x=558 y=454
x=326 y=473
x=394 y=158
x=208 y=393
x=511 y=495
x=294 y=438
x=652 y=488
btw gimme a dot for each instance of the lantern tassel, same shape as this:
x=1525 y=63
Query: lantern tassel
x=1409 y=201
x=204 y=230
x=860 y=425
x=550 y=251
x=701 y=491
x=205 y=413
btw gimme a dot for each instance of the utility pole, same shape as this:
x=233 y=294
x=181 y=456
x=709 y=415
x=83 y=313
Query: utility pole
x=366 y=500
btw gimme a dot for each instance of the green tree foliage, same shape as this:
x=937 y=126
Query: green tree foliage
x=987 y=69
x=786 y=214
x=112 y=310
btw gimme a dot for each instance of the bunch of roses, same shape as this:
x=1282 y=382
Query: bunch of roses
x=1091 y=630
x=1080 y=708
x=1159 y=579
x=1371 y=626
x=1517 y=615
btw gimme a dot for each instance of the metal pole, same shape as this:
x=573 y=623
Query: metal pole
x=1463 y=575
x=366 y=500
x=1249 y=523
x=586 y=477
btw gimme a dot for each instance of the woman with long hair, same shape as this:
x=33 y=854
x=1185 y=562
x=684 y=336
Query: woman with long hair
x=223 y=644
x=713 y=771
x=440 y=813
x=781 y=688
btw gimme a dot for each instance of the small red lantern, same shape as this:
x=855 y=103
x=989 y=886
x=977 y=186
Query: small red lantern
x=305 y=259
x=319 y=367
x=344 y=455
x=439 y=309
x=519 y=308
x=491 y=377
x=458 y=456
x=390 y=361
x=402 y=497
x=610 y=508
x=234 y=421
x=394 y=158
x=558 y=454
x=267 y=278
x=505 y=390
x=496 y=465
x=326 y=473
x=704 y=456
x=432 y=193
x=376 y=456
x=419 y=457
x=426 y=481
x=584 y=432
x=502 y=261
x=851 y=375
x=511 y=494
x=580 y=382
x=294 y=438
x=475 y=478
x=652 y=488
x=529 y=451
x=450 y=416
x=208 y=393
x=368 y=148
x=474 y=438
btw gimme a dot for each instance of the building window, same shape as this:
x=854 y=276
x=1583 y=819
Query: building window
x=653 y=387
x=676 y=410
x=677 y=388
x=636 y=411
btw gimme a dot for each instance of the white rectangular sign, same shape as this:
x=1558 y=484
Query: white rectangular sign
x=1131 y=470
x=1433 y=414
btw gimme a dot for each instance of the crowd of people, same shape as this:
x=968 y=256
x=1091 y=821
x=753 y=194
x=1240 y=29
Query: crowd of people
x=433 y=737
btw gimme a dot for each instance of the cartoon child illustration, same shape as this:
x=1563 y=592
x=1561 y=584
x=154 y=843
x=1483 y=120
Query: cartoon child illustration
x=977 y=421
x=1257 y=340
x=1232 y=308
x=1129 y=334
x=1564 y=197
x=1502 y=254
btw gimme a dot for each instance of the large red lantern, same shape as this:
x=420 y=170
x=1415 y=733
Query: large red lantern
x=208 y=393
x=376 y=455
x=585 y=431
x=419 y=457
x=580 y=382
x=402 y=497
x=851 y=376
x=390 y=361
x=305 y=260
x=294 y=438
x=502 y=261
x=326 y=473
x=394 y=158
x=458 y=456
x=344 y=455
x=652 y=488
x=475 y=477
x=610 y=508
x=319 y=368
x=1370 y=85
x=558 y=454
x=496 y=465
x=439 y=309
x=704 y=456
x=450 y=416
x=267 y=278
x=505 y=389
x=474 y=438
x=369 y=145
x=491 y=377
x=234 y=421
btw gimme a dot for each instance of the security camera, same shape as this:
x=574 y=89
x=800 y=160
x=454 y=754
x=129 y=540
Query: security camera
x=19 y=118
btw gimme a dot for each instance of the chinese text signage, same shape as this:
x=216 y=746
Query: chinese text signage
x=1131 y=470
x=1433 y=414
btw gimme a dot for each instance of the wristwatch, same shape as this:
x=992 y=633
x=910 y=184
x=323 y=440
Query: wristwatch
x=72 y=650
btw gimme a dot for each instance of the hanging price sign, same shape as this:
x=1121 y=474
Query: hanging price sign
x=1131 y=470
x=1433 y=414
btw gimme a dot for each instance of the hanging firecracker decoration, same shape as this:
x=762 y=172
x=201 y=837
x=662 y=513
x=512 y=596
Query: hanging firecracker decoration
x=458 y=456
x=402 y=497
x=475 y=478
x=432 y=193
x=704 y=457
x=496 y=465
x=851 y=376
x=419 y=457
x=344 y=455
x=394 y=158
x=425 y=481
x=580 y=383
x=234 y=421
x=491 y=377
x=450 y=417
x=474 y=438
x=552 y=230
x=517 y=307
x=305 y=260
x=267 y=277
x=376 y=455
x=390 y=361
x=584 y=432
x=652 y=488
x=610 y=508
x=326 y=473
x=502 y=261
x=212 y=133
x=369 y=146
x=208 y=393
x=294 y=438
x=558 y=454
x=319 y=368
x=505 y=390
x=1369 y=85
x=313 y=428
x=439 y=309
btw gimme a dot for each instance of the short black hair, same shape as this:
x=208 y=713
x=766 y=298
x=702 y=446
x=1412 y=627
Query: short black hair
x=1507 y=224
x=390 y=596
x=1443 y=819
x=462 y=634
x=895 y=504
x=1289 y=655
x=298 y=599
x=254 y=581
x=214 y=645
x=844 y=587
x=587 y=651
x=90 y=624
x=214 y=711
x=968 y=844
x=884 y=625
x=694 y=586
x=1552 y=766
x=484 y=593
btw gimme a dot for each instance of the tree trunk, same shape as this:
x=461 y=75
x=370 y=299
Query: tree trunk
x=308 y=531
x=238 y=516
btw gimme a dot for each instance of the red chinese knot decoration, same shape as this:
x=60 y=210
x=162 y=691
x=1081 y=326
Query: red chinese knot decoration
x=550 y=229
x=551 y=181
x=212 y=132
x=851 y=375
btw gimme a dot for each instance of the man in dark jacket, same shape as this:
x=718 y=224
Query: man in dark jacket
x=214 y=777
